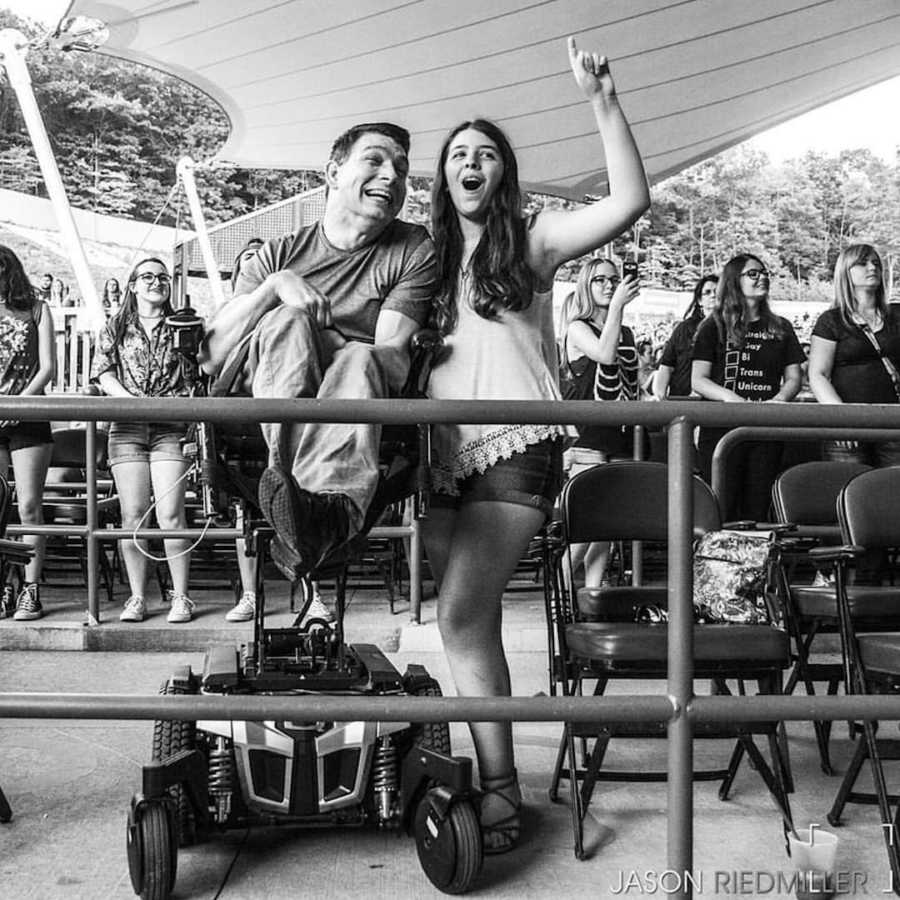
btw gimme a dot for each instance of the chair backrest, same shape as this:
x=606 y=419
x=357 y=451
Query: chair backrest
x=69 y=448
x=628 y=501
x=868 y=511
x=5 y=505
x=806 y=494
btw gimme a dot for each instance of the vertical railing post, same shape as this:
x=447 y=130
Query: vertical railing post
x=637 y=547
x=92 y=520
x=681 y=652
x=415 y=570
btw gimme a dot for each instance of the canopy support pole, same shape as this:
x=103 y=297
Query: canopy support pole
x=185 y=170
x=13 y=49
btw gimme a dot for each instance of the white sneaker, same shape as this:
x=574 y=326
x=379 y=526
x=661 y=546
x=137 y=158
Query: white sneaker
x=182 y=608
x=244 y=610
x=135 y=610
x=318 y=610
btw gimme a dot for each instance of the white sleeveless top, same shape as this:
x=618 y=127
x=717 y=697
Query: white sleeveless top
x=512 y=357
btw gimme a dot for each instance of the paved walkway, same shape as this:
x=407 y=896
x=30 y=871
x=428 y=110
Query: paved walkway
x=69 y=783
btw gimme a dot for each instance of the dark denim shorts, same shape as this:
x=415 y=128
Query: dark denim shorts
x=531 y=478
x=25 y=434
x=146 y=442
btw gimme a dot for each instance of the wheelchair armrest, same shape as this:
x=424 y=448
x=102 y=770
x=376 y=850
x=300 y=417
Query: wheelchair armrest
x=424 y=347
x=836 y=554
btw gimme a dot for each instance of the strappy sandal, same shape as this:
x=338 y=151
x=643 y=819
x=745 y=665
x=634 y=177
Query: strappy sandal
x=502 y=835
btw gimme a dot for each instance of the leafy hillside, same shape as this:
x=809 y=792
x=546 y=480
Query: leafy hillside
x=118 y=130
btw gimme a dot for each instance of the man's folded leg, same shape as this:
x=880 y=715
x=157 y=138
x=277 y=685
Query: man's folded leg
x=309 y=528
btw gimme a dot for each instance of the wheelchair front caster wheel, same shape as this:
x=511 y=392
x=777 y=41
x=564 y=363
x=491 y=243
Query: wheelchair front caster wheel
x=152 y=850
x=448 y=841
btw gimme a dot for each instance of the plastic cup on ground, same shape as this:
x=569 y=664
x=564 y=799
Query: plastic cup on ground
x=814 y=855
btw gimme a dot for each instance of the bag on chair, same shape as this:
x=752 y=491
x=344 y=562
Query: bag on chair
x=731 y=578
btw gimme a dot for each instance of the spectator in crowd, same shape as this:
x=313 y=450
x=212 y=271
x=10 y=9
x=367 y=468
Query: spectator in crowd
x=743 y=352
x=59 y=293
x=855 y=350
x=42 y=290
x=244 y=255
x=27 y=354
x=112 y=296
x=600 y=352
x=136 y=357
x=646 y=369
x=673 y=376
x=495 y=486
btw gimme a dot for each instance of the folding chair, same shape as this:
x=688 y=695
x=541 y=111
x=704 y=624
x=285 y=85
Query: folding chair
x=805 y=496
x=629 y=501
x=870 y=519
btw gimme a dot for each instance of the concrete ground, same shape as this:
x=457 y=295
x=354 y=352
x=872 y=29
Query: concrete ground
x=69 y=782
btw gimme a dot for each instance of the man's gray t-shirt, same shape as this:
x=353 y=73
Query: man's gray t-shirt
x=397 y=271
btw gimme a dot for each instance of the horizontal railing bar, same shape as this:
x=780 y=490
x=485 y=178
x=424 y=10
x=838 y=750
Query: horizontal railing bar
x=149 y=534
x=415 y=412
x=326 y=707
x=621 y=708
x=798 y=707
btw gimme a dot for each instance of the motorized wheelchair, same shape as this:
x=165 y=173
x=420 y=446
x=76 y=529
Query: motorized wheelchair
x=207 y=777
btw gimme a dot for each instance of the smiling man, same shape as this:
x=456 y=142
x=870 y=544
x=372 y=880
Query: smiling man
x=328 y=312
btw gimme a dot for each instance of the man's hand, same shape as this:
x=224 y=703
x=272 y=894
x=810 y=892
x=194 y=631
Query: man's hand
x=294 y=290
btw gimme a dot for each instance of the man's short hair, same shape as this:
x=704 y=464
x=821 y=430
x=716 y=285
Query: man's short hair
x=342 y=146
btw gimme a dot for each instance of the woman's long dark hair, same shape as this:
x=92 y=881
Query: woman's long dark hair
x=731 y=306
x=695 y=310
x=500 y=276
x=128 y=308
x=15 y=288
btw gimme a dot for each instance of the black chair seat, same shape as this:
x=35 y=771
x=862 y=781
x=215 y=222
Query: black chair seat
x=629 y=645
x=880 y=652
x=867 y=603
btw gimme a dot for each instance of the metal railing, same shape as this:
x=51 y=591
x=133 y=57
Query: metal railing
x=678 y=708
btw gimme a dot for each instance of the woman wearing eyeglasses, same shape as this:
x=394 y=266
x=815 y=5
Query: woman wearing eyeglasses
x=136 y=357
x=598 y=348
x=744 y=353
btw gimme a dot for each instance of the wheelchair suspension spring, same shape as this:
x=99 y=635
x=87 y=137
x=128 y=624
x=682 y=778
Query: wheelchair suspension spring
x=384 y=777
x=221 y=778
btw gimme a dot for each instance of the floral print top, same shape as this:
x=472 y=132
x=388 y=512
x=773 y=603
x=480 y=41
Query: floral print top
x=19 y=348
x=146 y=365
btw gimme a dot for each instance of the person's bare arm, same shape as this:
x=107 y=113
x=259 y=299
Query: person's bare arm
x=46 y=369
x=604 y=349
x=661 y=379
x=790 y=385
x=706 y=387
x=240 y=315
x=394 y=330
x=821 y=365
x=558 y=236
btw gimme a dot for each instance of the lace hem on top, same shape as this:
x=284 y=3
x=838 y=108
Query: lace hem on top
x=480 y=454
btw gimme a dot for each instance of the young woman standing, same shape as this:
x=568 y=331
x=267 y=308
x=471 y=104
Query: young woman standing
x=27 y=364
x=495 y=485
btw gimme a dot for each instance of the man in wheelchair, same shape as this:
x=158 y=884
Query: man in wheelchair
x=328 y=312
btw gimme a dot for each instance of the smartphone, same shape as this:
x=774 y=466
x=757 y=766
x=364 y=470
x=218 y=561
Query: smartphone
x=630 y=267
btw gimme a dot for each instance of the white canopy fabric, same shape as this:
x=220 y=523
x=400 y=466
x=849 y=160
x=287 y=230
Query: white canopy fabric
x=694 y=76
